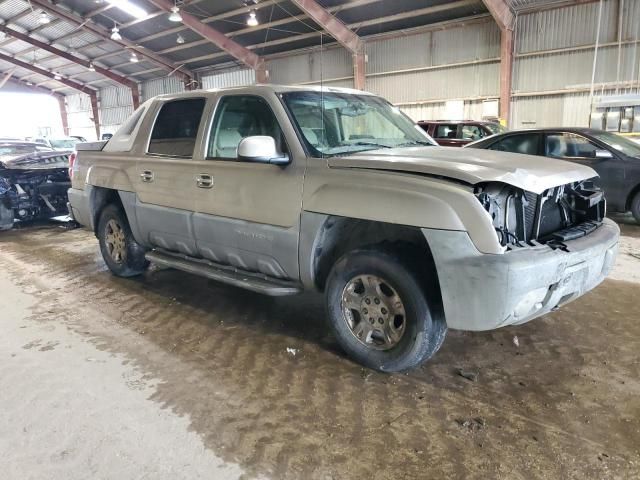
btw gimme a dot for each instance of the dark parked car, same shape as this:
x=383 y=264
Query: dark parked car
x=34 y=180
x=615 y=158
x=459 y=133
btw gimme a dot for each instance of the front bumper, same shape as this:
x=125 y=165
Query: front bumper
x=484 y=291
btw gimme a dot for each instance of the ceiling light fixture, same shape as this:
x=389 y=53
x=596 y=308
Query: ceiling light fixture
x=91 y=67
x=252 y=20
x=128 y=7
x=56 y=76
x=179 y=39
x=43 y=19
x=175 y=16
x=115 y=33
x=134 y=58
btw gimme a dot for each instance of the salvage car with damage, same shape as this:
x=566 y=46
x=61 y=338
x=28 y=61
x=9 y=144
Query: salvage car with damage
x=281 y=190
x=34 y=180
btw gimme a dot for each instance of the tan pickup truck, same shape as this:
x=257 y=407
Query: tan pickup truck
x=284 y=189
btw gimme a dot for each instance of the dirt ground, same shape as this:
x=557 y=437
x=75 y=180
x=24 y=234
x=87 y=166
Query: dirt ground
x=173 y=376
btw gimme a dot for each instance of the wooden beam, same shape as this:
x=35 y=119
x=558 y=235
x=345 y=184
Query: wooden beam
x=7 y=77
x=504 y=17
x=96 y=114
x=63 y=114
x=98 y=30
x=93 y=94
x=223 y=42
x=501 y=13
x=506 y=73
x=133 y=86
x=46 y=73
x=23 y=84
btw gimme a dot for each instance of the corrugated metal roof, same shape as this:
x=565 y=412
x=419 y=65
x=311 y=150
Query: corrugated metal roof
x=283 y=27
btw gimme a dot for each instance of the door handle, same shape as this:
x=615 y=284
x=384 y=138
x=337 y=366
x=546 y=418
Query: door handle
x=204 y=180
x=147 y=176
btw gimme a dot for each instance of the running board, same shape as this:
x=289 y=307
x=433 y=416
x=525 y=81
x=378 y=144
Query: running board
x=224 y=274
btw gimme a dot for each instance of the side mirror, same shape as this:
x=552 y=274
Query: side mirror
x=261 y=149
x=603 y=154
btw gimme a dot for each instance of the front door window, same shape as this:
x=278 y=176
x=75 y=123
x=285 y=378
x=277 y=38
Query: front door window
x=569 y=145
x=241 y=116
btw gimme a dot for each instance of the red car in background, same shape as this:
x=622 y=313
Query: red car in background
x=458 y=133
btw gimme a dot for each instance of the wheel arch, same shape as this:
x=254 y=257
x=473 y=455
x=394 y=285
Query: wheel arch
x=99 y=198
x=326 y=238
x=634 y=191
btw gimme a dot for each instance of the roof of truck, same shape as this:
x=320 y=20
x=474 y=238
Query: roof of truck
x=268 y=87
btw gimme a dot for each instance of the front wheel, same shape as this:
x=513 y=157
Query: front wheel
x=122 y=254
x=379 y=312
x=635 y=207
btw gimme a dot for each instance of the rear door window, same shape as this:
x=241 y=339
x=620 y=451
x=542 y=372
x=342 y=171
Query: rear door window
x=446 y=131
x=527 y=143
x=176 y=128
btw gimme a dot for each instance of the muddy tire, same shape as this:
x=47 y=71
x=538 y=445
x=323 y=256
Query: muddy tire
x=122 y=254
x=6 y=217
x=378 y=310
x=635 y=207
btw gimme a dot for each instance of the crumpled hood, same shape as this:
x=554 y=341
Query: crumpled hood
x=36 y=160
x=531 y=173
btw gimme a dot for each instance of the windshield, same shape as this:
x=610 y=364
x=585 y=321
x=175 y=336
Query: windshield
x=69 y=143
x=619 y=143
x=342 y=123
x=495 y=128
x=21 y=148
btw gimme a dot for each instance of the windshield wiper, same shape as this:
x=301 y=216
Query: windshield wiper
x=415 y=142
x=361 y=143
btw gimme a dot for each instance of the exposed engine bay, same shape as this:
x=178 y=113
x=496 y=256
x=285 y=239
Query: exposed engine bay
x=33 y=186
x=559 y=214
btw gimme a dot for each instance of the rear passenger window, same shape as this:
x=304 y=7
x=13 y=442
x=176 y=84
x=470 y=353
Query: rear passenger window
x=238 y=117
x=527 y=143
x=174 y=133
x=446 y=131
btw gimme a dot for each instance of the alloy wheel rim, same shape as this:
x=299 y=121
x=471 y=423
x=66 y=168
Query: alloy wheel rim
x=115 y=241
x=373 y=311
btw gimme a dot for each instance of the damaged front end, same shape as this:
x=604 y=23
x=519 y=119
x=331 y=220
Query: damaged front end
x=557 y=215
x=33 y=186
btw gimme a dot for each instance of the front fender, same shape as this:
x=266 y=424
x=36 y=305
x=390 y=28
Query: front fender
x=385 y=204
x=402 y=199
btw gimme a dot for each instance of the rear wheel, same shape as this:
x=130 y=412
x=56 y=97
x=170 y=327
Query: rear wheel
x=122 y=254
x=635 y=207
x=379 y=312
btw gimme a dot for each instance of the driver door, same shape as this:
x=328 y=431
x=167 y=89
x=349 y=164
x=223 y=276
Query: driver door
x=248 y=213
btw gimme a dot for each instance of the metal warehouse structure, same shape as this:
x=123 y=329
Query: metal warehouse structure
x=542 y=59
